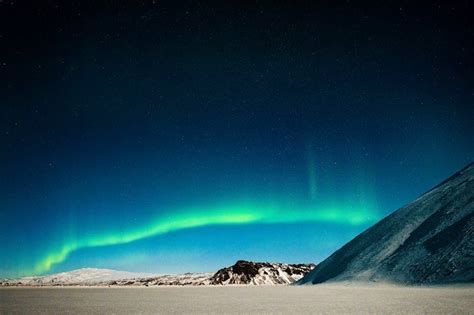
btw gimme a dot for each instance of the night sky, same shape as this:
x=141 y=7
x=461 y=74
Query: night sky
x=165 y=138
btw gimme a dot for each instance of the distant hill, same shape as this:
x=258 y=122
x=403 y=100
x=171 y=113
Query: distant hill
x=81 y=276
x=430 y=240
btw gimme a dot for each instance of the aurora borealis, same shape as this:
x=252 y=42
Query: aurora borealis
x=153 y=137
x=203 y=217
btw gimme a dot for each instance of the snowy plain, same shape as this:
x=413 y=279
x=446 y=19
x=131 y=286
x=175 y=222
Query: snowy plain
x=240 y=299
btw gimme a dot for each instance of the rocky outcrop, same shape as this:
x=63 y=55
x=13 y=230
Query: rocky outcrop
x=260 y=273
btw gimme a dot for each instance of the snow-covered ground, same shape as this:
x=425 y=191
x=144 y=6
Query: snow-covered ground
x=317 y=299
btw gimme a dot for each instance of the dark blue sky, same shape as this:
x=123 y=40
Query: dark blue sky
x=263 y=132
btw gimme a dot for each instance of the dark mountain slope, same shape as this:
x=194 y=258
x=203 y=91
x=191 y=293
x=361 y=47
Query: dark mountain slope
x=431 y=240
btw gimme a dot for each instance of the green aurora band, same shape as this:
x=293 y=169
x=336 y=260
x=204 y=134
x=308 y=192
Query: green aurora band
x=193 y=218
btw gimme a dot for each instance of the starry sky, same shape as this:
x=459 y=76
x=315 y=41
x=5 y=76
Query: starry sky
x=167 y=138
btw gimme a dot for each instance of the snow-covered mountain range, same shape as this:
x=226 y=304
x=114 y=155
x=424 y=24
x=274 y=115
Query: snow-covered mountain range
x=243 y=272
x=431 y=240
x=188 y=279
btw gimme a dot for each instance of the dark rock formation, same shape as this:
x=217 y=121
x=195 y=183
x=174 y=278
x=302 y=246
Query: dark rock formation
x=247 y=272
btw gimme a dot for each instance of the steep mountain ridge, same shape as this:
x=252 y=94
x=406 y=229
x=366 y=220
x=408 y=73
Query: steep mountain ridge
x=430 y=240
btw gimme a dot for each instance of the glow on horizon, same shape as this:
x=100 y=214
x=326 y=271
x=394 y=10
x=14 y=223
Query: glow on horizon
x=193 y=218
